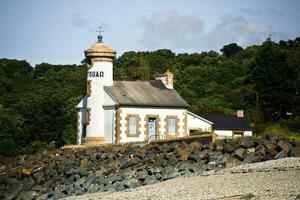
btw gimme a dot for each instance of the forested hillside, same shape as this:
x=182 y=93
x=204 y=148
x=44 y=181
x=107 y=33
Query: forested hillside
x=37 y=105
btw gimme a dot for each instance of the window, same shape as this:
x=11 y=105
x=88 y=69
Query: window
x=171 y=126
x=238 y=133
x=132 y=125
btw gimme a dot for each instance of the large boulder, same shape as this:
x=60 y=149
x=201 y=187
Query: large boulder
x=232 y=162
x=240 y=153
x=285 y=146
x=246 y=142
x=184 y=154
x=150 y=180
x=132 y=183
x=271 y=148
x=230 y=146
x=219 y=145
x=295 y=151
x=281 y=154
x=195 y=146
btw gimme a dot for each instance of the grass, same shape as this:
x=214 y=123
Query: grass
x=277 y=129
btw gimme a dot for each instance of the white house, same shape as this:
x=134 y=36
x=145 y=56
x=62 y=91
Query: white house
x=228 y=125
x=130 y=111
x=127 y=111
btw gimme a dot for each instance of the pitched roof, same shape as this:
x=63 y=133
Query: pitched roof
x=145 y=93
x=226 y=122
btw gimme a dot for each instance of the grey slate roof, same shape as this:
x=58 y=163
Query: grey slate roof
x=145 y=93
x=226 y=122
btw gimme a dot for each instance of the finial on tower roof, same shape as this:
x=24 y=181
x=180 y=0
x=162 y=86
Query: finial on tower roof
x=100 y=35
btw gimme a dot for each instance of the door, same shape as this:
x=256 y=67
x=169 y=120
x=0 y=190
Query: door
x=151 y=129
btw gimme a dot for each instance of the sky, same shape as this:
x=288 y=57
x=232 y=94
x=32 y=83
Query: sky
x=58 y=31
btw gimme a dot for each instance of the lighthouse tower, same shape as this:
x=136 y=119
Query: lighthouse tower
x=99 y=74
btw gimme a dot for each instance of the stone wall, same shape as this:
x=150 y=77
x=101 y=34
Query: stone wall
x=118 y=167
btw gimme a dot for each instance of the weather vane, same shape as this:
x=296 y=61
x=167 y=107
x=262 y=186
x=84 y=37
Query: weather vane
x=100 y=35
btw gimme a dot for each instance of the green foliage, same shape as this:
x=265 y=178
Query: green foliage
x=275 y=81
x=11 y=134
x=231 y=49
x=37 y=105
x=37 y=147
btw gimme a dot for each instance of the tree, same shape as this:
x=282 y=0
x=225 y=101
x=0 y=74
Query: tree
x=230 y=49
x=144 y=69
x=274 y=81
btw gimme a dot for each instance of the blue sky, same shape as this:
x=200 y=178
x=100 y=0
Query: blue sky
x=57 y=31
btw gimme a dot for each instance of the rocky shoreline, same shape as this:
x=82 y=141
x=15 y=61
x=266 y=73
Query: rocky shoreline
x=77 y=171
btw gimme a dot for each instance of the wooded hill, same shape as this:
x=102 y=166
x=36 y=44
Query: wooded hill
x=37 y=105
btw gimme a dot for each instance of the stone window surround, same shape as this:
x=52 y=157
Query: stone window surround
x=157 y=126
x=186 y=132
x=118 y=126
x=138 y=125
x=176 y=126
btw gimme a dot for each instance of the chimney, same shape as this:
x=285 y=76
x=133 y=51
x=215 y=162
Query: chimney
x=240 y=113
x=169 y=79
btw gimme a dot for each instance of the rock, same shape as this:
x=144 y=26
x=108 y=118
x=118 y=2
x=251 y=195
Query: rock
x=79 y=191
x=172 y=146
x=169 y=173
x=142 y=174
x=297 y=197
x=195 y=146
x=270 y=148
x=232 y=162
x=93 y=188
x=281 y=154
x=252 y=158
x=27 y=171
x=15 y=187
x=39 y=177
x=219 y=144
x=240 y=153
x=128 y=172
x=189 y=167
x=285 y=146
x=230 y=147
x=210 y=146
x=88 y=181
x=132 y=183
x=28 y=195
x=67 y=189
x=197 y=156
x=118 y=186
x=295 y=152
x=80 y=182
x=183 y=156
x=246 y=142
x=124 y=162
x=27 y=183
x=150 y=180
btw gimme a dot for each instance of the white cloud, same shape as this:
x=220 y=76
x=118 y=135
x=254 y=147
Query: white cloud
x=240 y=30
x=169 y=29
x=184 y=33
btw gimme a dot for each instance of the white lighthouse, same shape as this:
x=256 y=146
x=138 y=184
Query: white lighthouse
x=91 y=111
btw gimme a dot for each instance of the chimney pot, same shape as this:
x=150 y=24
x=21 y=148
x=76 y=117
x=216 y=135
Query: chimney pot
x=169 y=79
x=240 y=113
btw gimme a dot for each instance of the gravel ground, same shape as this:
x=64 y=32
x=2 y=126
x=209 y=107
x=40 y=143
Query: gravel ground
x=276 y=179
